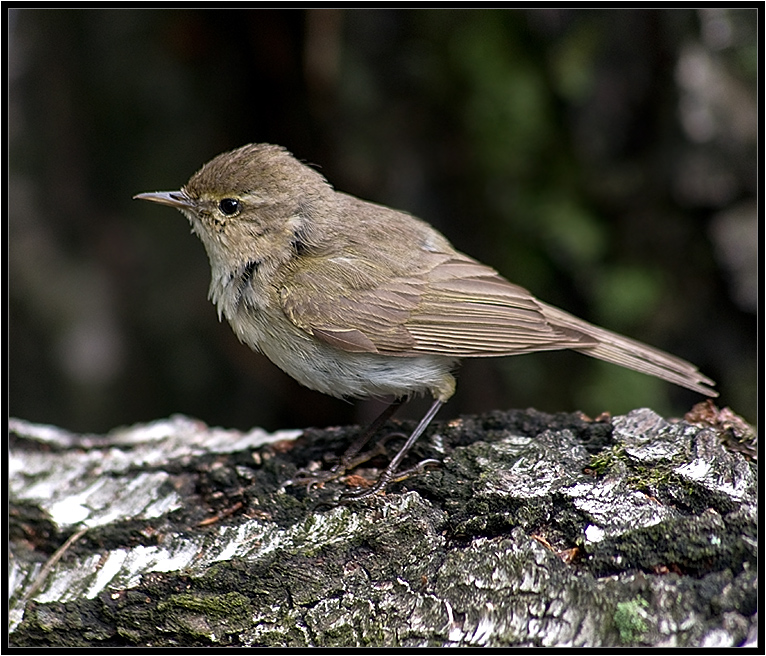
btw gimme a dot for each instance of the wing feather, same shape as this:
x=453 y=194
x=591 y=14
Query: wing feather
x=456 y=308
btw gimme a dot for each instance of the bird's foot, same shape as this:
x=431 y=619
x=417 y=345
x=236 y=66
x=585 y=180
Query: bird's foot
x=313 y=477
x=385 y=479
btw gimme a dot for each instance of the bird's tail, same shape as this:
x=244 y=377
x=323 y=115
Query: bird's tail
x=629 y=353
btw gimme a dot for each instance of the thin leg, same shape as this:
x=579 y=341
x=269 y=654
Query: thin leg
x=390 y=471
x=347 y=460
x=356 y=446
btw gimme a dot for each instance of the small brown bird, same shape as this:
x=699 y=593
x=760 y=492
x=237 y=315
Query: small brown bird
x=355 y=299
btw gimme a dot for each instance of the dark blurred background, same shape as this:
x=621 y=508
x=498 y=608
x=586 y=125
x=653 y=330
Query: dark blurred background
x=606 y=160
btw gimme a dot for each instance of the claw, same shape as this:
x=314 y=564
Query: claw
x=352 y=458
x=382 y=482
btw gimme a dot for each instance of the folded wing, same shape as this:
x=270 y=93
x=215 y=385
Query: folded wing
x=458 y=307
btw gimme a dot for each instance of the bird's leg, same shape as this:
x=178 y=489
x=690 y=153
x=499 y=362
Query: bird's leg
x=351 y=457
x=390 y=473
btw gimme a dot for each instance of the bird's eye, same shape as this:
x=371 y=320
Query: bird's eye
x=229 y=206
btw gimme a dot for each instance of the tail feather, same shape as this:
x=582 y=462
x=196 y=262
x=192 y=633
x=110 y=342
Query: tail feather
x=629 y=353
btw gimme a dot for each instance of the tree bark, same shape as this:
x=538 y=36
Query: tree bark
x=535 y=530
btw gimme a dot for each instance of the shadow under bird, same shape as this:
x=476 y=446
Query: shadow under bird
x=355 y=299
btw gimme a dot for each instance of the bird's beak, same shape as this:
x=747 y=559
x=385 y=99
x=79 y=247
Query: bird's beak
x=177 y=199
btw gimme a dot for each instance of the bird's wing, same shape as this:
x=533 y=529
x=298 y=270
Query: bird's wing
x=456 y=307
x=452 y=306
